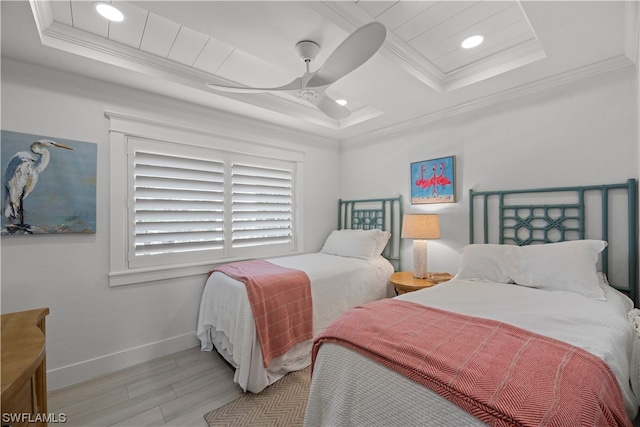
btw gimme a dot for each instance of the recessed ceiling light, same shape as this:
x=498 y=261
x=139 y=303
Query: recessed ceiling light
x=109 y=12
x=342 y=102
x=472 y=41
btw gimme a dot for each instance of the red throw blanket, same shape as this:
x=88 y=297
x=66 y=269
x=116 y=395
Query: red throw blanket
x=280 y=300
x=503 y=375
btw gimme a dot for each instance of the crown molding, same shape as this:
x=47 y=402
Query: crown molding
x=406 y=57
x=605 y=66
x=632 y=30
x=43 y=15
x=201 y=113
x=360 y=115
x=519 y=56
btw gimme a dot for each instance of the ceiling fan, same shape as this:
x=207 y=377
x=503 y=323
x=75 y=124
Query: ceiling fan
x=354 y=51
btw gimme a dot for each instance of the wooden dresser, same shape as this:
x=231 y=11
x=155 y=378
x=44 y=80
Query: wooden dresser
x=24 y=373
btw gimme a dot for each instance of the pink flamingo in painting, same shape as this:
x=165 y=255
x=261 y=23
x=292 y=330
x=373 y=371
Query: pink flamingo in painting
x=440 y=179
x=421 y=182
x=443 y=180
x=432 y=181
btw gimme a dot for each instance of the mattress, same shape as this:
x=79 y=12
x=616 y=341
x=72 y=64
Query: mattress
x=226 y=323
x=348 y=388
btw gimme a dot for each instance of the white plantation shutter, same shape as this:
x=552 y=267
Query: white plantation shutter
x=190 y=204
x=178 y=204
x=261 y=207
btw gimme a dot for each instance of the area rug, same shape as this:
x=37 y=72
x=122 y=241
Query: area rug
x=281 y=404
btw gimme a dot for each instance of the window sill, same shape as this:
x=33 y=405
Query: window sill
x=154 y=274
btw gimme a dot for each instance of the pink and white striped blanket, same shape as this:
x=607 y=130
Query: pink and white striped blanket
x=503 y=375
x=280 y=300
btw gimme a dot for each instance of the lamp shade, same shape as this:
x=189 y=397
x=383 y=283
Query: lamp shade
x=420 y=226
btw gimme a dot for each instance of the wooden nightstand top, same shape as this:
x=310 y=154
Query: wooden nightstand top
x=404 y=281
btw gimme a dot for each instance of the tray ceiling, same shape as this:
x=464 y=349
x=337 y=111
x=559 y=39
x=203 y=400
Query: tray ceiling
x=252 y=44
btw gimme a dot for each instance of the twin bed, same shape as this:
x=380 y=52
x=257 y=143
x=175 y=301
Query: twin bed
x=352 y=269
x=558 y=348
x=352 y=388
x=535 y=328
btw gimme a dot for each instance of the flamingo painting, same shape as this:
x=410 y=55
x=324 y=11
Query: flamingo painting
x=43 y=191
x=439 y=187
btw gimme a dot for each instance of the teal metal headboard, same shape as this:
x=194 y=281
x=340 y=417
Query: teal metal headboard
x=526 y=223
x=368 y=214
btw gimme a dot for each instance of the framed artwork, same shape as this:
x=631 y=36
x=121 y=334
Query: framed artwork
x=48 y=185
x=433 y=181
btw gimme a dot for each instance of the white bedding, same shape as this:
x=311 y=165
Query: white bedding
x=348 y=389
x=226 y=322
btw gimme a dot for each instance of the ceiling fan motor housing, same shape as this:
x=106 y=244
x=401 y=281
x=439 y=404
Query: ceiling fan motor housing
x=307 y=50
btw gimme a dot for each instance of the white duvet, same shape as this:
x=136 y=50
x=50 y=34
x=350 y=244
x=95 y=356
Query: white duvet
x=226 y=322
x=348 y=389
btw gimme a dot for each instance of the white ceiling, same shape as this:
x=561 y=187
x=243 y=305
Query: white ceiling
x=174 y=47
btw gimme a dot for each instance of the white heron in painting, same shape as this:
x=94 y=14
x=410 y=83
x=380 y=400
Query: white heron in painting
x=21 y=177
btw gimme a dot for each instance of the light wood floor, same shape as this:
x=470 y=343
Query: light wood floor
x=175 y=390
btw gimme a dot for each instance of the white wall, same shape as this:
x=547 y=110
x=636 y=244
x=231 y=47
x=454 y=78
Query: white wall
x=94 y=328
x=580 y=133
x=584 y=132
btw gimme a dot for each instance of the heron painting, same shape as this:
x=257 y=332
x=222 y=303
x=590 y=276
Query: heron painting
x=48 y=185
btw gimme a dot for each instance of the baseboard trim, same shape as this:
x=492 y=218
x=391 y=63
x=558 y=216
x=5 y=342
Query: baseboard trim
x=82 y=371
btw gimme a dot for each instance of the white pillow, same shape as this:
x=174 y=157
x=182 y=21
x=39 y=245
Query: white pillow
x=566 y=266
x=382 y=237
x=363 y=244
x=489 y=263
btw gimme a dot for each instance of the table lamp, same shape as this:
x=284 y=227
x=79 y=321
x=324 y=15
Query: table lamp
x=420 y=227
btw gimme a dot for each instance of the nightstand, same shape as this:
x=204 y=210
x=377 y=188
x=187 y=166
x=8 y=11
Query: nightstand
x=404 y=281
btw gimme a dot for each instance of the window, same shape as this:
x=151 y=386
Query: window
x=190 y=206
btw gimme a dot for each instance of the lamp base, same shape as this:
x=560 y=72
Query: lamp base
x=420 y=259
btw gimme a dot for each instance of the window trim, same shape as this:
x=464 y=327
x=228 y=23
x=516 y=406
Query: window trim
x=124 y=126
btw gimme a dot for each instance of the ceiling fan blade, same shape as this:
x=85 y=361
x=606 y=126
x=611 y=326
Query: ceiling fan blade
x=293 y=85
x=330 y=107
x=354 y=51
